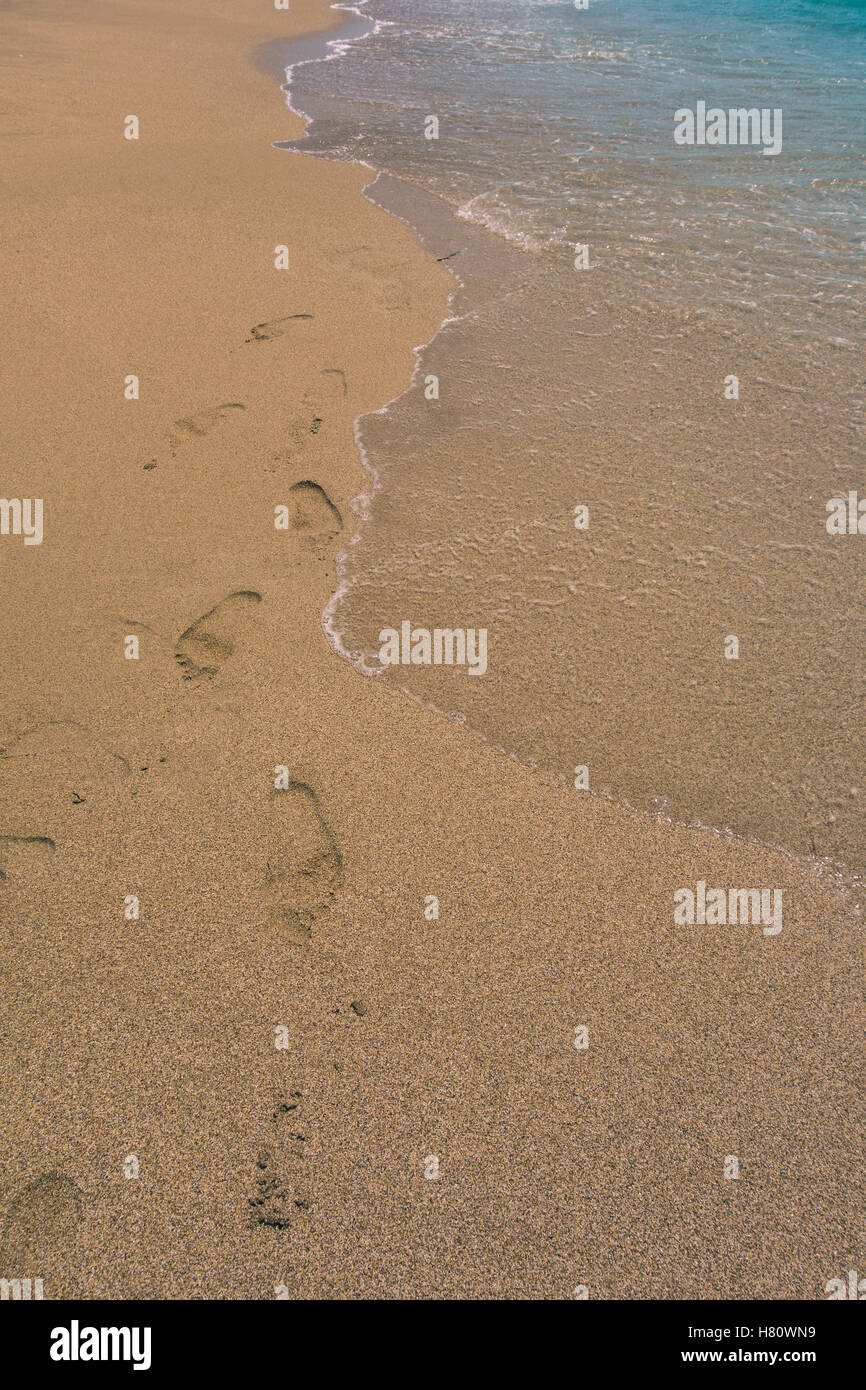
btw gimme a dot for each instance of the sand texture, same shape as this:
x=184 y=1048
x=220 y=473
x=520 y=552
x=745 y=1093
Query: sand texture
x=285 y=1037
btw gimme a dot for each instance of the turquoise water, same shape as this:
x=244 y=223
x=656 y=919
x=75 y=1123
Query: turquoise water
x=556 y=124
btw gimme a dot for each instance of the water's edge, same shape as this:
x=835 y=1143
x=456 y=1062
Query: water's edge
x=281 y=58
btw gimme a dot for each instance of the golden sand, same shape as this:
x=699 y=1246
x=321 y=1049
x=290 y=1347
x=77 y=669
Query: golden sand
x=286 y=1038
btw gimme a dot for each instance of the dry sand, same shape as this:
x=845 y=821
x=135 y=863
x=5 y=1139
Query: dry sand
x=298 y=915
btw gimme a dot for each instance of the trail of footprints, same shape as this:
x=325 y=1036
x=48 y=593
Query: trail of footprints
x=208 y=643
x=303 y=872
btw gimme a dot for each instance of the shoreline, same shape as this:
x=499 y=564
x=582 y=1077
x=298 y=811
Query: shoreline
x=284 y=1032
x=312 y=44
x=846 y=880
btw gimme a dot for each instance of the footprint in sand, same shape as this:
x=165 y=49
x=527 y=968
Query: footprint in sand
x=278 y=1197
x=313 y=513
x=65 y=757
x=39 y=1234
x=305 y=867
x=206 y=646
x=337 y=372
x=287 y=1109
x=21 y=854
x=275 y=1201
x=262 y=332
x=287 y=1121
x=301 y=431
x=204 y=420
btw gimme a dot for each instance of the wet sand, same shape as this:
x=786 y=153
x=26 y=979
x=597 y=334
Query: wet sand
x=286 y=1036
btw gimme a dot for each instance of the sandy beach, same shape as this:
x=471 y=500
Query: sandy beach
x=292 y=970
